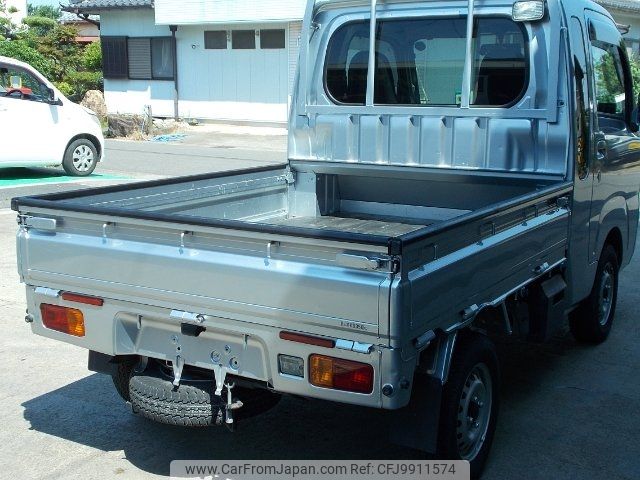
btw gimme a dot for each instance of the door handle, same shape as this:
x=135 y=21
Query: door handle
x=601 y=150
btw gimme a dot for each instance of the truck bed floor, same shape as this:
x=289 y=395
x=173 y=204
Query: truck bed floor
x=352 y=225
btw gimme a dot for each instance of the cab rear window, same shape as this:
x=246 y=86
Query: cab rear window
x=421 y=62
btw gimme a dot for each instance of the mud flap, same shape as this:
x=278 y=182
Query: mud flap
x=416 y=425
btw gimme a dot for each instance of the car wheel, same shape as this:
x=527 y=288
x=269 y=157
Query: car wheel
x=470 y=401
x=591 y=322
x=81 y=158
x=121 y=377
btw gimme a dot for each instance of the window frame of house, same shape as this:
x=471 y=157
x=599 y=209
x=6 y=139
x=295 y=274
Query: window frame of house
x=126 y=60
x=227 y=38
x=245 y=30
x=172 y=49
x=272 y=30
x=108 y=74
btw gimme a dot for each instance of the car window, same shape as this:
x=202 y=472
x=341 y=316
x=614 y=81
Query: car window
x=20 y=84
x=421 y=62
x=609 y=79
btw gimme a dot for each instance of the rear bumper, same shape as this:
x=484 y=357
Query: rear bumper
x=245 y=349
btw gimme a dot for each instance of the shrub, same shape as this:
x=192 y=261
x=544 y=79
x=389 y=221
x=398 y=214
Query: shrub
x=92 y=56
x=40 y=25
x=65 y=88
x=20 y=50
x=82 y=82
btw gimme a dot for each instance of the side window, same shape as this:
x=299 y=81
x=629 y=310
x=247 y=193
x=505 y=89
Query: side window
x=609 y=80
x=20 y=84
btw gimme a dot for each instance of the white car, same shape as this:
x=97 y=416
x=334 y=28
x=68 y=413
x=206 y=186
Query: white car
x=39 y=126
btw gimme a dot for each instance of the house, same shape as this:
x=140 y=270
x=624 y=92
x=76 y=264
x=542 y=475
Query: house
x=627 y=14
x=228 y=60
x=88 y=28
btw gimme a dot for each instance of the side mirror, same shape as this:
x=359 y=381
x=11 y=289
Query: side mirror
x=52 y=98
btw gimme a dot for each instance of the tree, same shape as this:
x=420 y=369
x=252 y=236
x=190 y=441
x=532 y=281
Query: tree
x=7 y=27
x=634 y=61
x=39 y=25
x=92 y=57
x=51 y=48
x=21 y=50
x=47 y=11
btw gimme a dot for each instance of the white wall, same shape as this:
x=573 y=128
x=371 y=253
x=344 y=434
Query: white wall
x=131 y=96
x=231 y=84
x=247 y=85
x=171 y=12
x=295 y=31
x=21 y=5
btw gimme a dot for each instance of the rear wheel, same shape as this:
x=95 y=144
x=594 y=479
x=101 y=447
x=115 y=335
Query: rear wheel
x=470 y=403
x=121 y=377
x=591 y=322
x=81 y=158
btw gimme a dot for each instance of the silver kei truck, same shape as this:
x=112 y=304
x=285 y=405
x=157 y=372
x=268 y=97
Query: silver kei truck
x=456 y=169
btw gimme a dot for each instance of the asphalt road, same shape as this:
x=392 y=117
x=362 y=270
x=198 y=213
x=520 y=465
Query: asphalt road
x=136 y=161
x=568 y=411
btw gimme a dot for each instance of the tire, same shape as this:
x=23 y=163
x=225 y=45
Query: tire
x=121 y=377
x=80 y=158
x=193 y=403
x=591 y=322
x=470 y=403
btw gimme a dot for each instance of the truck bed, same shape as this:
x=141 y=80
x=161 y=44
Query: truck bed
x=355 y=205
x=290 y=244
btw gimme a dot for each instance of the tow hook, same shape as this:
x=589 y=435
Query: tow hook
x=178 y=365
x=230 y=407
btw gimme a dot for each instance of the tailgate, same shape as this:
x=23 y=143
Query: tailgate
x=286 y=282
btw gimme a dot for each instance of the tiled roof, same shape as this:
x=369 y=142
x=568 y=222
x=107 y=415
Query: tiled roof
x=625 y=5
x=70 y=17
x=97 y=5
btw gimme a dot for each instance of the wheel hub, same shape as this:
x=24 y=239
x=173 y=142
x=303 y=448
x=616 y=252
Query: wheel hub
x=474 y=412
x=82 y=158
x=605 y=295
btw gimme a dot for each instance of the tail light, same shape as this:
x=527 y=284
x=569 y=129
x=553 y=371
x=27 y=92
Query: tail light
x=340 y=374
x=63 y=319
x=308 y=339
x=86 y=299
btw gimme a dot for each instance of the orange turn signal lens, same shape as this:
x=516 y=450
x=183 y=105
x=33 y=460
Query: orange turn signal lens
x=340 y=374
x=63 y=319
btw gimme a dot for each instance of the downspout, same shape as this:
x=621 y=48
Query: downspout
x=174 y=29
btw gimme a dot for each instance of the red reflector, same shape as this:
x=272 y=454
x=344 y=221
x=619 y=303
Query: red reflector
x=63 y=319
x=308 y=339
x=339 y=374
x=77 y=298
